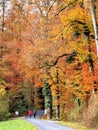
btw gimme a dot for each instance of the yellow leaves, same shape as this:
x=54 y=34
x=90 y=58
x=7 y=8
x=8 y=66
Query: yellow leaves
x=76 y=13
x=2 y=92
x=53 y=88
x=82 y=52
x=53 y=72
x=49 y=81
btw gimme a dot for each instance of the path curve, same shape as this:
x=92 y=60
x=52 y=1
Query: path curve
x=47 y=125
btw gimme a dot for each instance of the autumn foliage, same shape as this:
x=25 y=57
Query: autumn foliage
x=52 y=41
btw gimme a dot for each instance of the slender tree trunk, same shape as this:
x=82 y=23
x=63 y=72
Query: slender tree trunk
x=2 y=29
x=94 y=19
x=3 y=15
x=58 y=95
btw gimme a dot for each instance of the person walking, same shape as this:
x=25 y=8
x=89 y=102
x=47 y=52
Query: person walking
x=34 y=113
x=30 y=113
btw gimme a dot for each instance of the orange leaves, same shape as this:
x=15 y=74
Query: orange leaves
x=88 y=78
x=36 y=42
x=37 y=82
x=86 y=73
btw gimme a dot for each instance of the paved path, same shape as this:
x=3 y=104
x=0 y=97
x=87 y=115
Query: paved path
x=47 y=125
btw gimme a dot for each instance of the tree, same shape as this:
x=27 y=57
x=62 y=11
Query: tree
x=94 y=19
x=48 y=98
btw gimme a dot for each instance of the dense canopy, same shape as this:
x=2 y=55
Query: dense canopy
x=48 y=57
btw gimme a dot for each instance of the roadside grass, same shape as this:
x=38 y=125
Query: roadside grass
x=16 y=124
x=75 y=125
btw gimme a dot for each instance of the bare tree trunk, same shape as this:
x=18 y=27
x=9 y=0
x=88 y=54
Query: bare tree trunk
x=94 y=19
x=2 y=21
x=3 y=5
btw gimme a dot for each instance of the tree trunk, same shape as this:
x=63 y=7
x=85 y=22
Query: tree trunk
x=3 y=15
x=94 y=19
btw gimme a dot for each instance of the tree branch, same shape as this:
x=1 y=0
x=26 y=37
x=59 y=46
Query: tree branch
x=72 y=3
x=51 y=7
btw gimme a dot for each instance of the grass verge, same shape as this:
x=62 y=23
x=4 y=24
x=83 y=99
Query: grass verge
x=16 y=124
x=75 y=125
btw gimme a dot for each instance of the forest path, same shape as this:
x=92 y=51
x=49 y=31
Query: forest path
x=47 y=124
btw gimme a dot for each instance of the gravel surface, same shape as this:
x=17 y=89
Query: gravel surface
x=47 y=125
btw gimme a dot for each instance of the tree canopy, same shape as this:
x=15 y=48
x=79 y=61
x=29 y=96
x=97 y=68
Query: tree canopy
x=48 y=55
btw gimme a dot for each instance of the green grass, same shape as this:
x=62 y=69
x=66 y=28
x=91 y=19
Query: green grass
x=75 y=125
x=17 y=124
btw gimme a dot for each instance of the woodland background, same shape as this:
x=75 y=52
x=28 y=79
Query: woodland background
x=48 y=59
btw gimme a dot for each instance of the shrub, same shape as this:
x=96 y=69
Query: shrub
x=4 y=106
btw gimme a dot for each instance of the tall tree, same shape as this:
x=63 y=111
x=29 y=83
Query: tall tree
x=94 y=8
